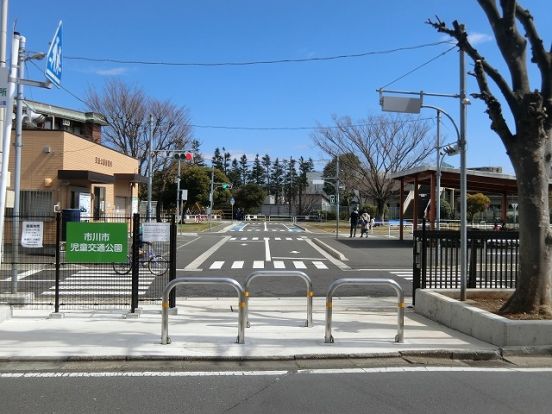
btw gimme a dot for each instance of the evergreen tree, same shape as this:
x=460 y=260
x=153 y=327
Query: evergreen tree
x=257 y=172
x=277 y=181
x=290 y=181
x=266 y=164
x=225 y=161
x=302 y=183
x=217 y=160
x=234 y=174
x=244 y=169
x=198 y=158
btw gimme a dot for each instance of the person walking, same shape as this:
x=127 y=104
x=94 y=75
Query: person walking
x=354 y=222
x=364 y=223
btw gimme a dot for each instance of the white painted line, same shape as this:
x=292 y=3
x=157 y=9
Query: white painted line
x=217 y=264
x=417 y=369
x=200 y=259
x=139 y=374
x=23 y=275
x=289 y=238
x=319 y=265
x=238 y=264
x=96 y=287
x=95 y=292
x=299 y=264
x=187 y=243
x=233 y=238
x=267 y=251
x=255 y=238
x=279 y=264
x=265 y=228
x=338 y=263
x=243 y=238
x=258 y=264
x=277 y=238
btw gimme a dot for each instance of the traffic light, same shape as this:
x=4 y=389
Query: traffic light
x=227 y=186
x=184 y=156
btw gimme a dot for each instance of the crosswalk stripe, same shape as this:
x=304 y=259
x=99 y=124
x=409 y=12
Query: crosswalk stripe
x=277 y=238
x=279 y=264
x=319 y=265
x=258 y=264
x=255 y=238
x=232 y=238
x=289 y=238
x=217 y=265
x=238 y=264
x=299 y=264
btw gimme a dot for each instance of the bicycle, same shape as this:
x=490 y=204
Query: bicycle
x=156 y=263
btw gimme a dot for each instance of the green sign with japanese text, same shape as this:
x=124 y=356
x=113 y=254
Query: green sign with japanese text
x=96 y=242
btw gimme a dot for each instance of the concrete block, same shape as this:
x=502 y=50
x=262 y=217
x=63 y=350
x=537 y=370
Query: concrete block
x=5 y=312
x=528 y=333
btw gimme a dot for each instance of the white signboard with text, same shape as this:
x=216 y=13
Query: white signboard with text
x=32 y=234
x=156 y=232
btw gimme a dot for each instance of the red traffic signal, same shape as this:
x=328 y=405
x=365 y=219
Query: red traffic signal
x=188 y=156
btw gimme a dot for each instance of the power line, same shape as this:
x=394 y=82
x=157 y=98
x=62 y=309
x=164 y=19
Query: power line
x=418 y=67
x=255 y=62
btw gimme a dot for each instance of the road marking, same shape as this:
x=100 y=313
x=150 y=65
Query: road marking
x=23 y=275
x=324 y=253
x=299 y=264
x=194 y=265
x=258 y=264
x=187 y=243
x=267 y=251
x=289 y=238
x=277 y=238
x=279 y=264
x=217 y=264
x=319 y=265
x=150 y=374
x=265 y=228
x=233 y=238
x=255 y=238
x=238 y=264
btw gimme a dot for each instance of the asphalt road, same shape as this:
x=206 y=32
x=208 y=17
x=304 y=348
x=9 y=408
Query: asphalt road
x=384 y=390
x=241 y=250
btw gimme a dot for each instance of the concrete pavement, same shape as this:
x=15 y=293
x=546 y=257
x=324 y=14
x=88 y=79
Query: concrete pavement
x=207 y=328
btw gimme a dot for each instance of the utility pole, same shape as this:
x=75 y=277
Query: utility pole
x=150 y=168
x=7 y=135
x=210 y=209
x=463 y=180
x=337 y=196
x=438 y=181
x=178 y=213
x=17 y=169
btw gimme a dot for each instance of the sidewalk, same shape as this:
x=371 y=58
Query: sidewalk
x=207 y=328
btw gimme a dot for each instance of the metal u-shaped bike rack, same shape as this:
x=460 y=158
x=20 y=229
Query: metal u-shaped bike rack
x=202 y=281
x=279 y=273
x=328 y=338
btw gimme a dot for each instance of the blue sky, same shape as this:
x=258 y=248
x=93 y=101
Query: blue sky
x=278 y=95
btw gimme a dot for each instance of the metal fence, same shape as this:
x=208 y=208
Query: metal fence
x=41 y=277
x=493 y=259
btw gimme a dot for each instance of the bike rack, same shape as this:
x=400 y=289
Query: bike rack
x=328 y=338
x=202 y=281
x=280 y=273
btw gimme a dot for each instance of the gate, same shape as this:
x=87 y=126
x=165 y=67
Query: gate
x=40 y=276
x=493 y=259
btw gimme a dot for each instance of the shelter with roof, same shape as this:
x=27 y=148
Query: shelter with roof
x=425 y=177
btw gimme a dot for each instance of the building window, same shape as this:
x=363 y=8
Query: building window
x=36 y=203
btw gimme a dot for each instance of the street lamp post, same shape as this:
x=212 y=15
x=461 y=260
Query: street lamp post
x=413 y=105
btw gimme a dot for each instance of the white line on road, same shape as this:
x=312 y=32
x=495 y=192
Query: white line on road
x=319 y=265
x=238 y=264
x=265 y=227
x=279 y=264
x=258 y=264
x=324 y=253
x=200 y=259
x=217 y=264
x=187 y=243
x=267 y=251
x=382 y=370
x=299 y=264
x=23 y=275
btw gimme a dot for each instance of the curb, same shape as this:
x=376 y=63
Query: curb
x=333 y=252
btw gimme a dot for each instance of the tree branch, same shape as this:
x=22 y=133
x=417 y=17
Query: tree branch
x=540 y=57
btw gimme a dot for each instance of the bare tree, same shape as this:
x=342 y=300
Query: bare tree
x=127 y=109
x=383 y=144
x=527 y=140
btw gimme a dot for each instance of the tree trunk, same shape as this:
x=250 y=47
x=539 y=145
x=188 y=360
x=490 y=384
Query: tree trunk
x=532 y=167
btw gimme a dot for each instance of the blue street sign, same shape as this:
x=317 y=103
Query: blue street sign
x=53 y=58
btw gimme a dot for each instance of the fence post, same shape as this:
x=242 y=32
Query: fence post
x=58 y=260
x=415 y=268
x=424 y=254
x=472 y=272
x=172 y=261
x=135 y=263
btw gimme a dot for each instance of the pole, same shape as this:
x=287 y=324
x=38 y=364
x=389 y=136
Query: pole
x=150 y=168
x=463 y=180
x=7 y=135
x=3 y=33
x=178 y=193
x=17 y=169
x=438 y=181
x=337 y=196
x=210 y=209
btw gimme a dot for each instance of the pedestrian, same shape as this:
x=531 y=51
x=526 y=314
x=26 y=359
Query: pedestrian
x=364 y=223
x=354 y=222
x=372 y=223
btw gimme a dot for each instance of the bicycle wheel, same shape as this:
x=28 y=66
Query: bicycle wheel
x=158 y=265
x=122 y=268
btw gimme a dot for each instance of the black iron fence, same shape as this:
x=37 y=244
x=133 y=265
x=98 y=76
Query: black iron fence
x=492 y=258
x=37 y=272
